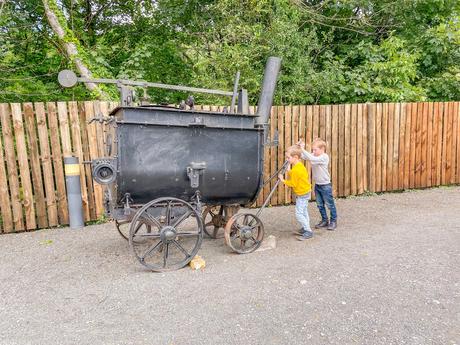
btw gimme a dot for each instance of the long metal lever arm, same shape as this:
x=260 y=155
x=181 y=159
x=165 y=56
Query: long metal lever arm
x=281 y=171
x=157 y=85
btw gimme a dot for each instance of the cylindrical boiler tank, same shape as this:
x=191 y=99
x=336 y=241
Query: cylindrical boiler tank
x=168 y=152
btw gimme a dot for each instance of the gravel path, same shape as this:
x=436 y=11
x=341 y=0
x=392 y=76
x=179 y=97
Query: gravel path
x=389 y=275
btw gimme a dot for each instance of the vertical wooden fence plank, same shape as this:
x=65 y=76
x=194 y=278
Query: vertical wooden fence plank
x=13 y=178
x=395 y=155
x=402 y=144
x=322 y=122
x=390 y=110
x=63 y=212
x=429 y=145
x=413 y=131
x=440 y=123
x=455 y=134
x=35 y=166
x=390 y=145
x=64 y=129
x=449 y=143
x=48 y=176
x=295 y=124
x=371 y=146
x=407 y=144
x=309 y=125
x=378 y=147
x=365 y=186
x=347 y=151
x=359 y=148
x=450 y=147
x=78 y=152
x=5 y=205
x=24 y=170
x=335 y=148
x=315 y=122
x=418 y=145
x=434 y=149
x=353 y=148
x=424 y=126
x=457 y=114
x=384 y=146
x=445 y=130
x=302 y=121
x=341 y=153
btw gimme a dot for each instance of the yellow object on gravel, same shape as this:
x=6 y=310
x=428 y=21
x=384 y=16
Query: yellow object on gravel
x=197 y=263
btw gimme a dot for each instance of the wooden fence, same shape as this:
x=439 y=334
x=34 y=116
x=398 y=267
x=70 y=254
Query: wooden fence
x=373 y=148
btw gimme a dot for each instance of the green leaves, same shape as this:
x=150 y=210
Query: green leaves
x=333 y=51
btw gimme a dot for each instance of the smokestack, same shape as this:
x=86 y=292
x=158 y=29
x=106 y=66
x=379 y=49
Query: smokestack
x=272 y=69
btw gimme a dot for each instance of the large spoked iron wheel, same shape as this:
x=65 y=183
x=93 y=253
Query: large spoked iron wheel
x=123 y=228
x=164 y=239
x=244 y=233
x=216 y=217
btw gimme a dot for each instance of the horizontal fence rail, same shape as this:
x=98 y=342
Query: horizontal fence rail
x=374 y=147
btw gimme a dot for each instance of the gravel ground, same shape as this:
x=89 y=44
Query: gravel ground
x=389 y=275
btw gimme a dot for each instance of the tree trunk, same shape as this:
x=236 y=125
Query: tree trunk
x=67 y=39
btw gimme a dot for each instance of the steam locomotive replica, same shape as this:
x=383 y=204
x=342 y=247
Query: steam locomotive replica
x=173 y=173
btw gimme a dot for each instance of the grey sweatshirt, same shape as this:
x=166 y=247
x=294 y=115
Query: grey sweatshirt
x=319 y=167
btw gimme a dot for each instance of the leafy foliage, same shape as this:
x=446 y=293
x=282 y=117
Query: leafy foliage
x=333 y=51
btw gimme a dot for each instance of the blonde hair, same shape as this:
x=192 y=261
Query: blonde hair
x=319 y=143
x=294 y=150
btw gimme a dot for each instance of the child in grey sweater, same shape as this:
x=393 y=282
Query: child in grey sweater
x=319 y=161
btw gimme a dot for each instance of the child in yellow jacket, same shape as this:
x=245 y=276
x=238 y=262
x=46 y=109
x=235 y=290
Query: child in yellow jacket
x=299 y=181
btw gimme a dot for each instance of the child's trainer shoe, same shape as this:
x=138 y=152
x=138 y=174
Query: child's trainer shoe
x=322 y=224
x=332 y=226
x=305 y=236
x=300 y=232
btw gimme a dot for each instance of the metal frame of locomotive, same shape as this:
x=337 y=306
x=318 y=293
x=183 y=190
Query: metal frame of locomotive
x=164 y=164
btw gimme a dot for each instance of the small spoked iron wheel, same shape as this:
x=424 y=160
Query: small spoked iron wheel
x=216 y=217
x=244 y=233
x=165 y=234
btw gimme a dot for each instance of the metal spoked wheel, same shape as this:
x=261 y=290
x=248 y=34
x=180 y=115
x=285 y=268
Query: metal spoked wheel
x=216 y=217
x=165 y=234
x=244 y=233
x=123 y=228
x=214 y=220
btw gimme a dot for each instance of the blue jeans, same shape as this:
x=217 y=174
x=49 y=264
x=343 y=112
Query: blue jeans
x=301 y=211
x=324 y=196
